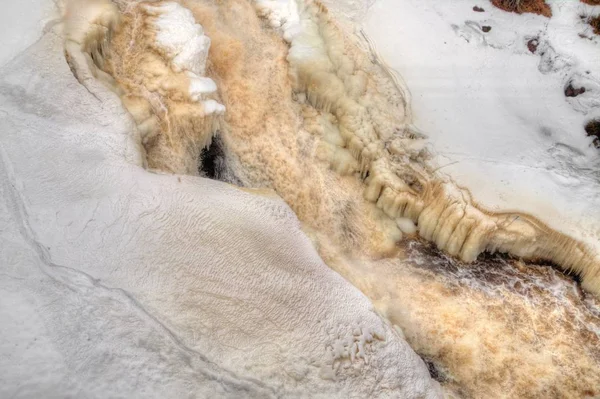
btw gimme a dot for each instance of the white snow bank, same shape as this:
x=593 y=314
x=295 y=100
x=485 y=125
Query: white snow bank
x=181 y=37
x=496 y=114
x=117 y=282
x=22 y=23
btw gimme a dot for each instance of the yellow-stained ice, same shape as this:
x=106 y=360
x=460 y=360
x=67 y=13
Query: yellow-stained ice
x=315 y=119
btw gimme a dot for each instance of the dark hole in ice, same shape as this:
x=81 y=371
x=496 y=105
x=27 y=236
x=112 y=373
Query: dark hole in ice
x=212 y=159
x=486 y=28
x=478 y=9
x=214 y=163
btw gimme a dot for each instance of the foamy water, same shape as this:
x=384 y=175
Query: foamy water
x=310 y=117
x=496 y=327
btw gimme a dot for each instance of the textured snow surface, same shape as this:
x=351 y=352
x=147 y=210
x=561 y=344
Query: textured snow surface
x=496 y=113
x=116 y=282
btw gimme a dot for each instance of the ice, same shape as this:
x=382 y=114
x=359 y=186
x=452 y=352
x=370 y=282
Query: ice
x=201 y=85
x=213 y=107
x=496 y=114
x=119 y=282
x=181 y=37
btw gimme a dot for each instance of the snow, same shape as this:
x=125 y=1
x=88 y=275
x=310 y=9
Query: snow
x=118 y=282
x=281 y=14
x=212 y=107
x=406 y=225
x=201 y=85
x=185 y=44
x=181 y=37
x=496 y=114
x=23 y=23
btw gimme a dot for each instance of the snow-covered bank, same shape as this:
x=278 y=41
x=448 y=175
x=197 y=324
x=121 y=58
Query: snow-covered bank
x=496 y=113
x=22 y=23
x=122 y=283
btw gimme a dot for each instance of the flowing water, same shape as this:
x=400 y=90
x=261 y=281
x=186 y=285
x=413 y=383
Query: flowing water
x=309 y=119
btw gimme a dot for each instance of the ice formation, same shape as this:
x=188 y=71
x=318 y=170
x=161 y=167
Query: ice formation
x=120 y=282
x=360 y=135
x=328 y=126
x=161 y=75
x=397 y=180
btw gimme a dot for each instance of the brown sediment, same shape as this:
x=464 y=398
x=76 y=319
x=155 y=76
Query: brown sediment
x=330 y=134
x=524 y=6
x=591 y=2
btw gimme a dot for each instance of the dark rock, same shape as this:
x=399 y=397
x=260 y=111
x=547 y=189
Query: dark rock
x=592 y=128
x=571 y=91
x=532 y=45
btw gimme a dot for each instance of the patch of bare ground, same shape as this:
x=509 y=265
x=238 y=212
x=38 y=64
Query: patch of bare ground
x=533 y=44
x=525 y=6
x=572 y=91
x=595 y=23
x=591 y=2
x=592 y=128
